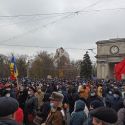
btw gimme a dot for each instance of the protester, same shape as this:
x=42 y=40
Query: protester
x=78 y=116
x=8 y=106
x=93 y=97
x=22 y=96
x=72 y=96
x=45 y=108
x=39 y=95
x=104 y=116
x=117 y=101
x=83 y=95
x=93 y=105
x=30 y=107
x=56 y=116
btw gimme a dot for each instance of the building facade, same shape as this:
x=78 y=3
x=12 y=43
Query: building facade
x=109 y=52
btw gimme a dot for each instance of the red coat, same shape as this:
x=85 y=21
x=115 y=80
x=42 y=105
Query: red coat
x=19 y=116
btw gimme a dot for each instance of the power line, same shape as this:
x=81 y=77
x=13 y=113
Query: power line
x=64 y=13
x=56 y=13
x=91 y=5
x=30 y=20
x=38 y=27
x=75 y=12
x=17 y=45
x=52 y=22
x=65 y=16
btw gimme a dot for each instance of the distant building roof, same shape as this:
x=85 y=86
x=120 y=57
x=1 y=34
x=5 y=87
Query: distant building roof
x=111 y=41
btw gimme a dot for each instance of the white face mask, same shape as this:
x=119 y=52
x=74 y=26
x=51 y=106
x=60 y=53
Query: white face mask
x=8 y=95
x=29 y=92
x=93 y=94
x=110 y=92
x=52 y=105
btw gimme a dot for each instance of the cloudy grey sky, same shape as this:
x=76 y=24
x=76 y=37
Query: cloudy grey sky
x=75 y=32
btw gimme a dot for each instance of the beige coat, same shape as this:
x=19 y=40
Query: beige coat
x=40 y=97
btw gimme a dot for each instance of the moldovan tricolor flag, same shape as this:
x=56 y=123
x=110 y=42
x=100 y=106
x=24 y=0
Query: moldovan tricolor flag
x=13 y=69
x=119 y=70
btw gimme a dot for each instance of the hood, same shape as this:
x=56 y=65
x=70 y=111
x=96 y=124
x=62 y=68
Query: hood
x=7 y=122
x=79 y=105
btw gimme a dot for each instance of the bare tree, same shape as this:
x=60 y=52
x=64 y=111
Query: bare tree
x=42 y=66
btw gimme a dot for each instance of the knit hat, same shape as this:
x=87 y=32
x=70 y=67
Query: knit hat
x=8 y=106
x=105 y=114
x=57 y=96
x=96 y=104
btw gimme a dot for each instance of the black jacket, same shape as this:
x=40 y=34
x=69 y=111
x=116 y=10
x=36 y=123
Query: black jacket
x=31 y=105
x=8 y=122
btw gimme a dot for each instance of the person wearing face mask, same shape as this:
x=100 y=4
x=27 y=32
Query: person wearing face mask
x=31 y=106
x=56 y=115
x=22 y=96
x=93 y=97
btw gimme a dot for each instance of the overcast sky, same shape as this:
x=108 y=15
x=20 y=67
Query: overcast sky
x=70 y=31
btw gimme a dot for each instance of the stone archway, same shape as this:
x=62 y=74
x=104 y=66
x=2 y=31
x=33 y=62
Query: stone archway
x=109 y=52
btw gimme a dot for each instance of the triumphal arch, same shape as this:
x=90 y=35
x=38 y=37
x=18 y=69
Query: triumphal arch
x=109 y=52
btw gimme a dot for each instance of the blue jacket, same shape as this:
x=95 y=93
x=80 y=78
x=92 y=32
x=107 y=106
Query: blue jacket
x=78 y=116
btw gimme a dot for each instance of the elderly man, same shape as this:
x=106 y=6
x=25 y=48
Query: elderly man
x=56 y=116
x=104 y=116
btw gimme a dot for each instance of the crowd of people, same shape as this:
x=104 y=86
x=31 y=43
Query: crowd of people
x=62 y=102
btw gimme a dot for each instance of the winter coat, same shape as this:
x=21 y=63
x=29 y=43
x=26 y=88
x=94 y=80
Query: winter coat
x=117 y=103
x=19 y=116
x=89 y=119
x=109 y=100
x=44 y=111
x=22 y=96
x=93 y=98
x=55 y=118
x=78 y=117
x=72 y=97
x=7 y=122
x=39 y=96
x=31 y=105
x=121 y=116
x=30 y=109
x=86 y=109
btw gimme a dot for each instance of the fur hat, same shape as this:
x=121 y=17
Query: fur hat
x=57 y=96
x=8 y=106
x=105 y=114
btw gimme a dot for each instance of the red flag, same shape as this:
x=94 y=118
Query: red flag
x=119 y=69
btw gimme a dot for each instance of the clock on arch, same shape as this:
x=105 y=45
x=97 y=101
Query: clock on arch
x=114 y=49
